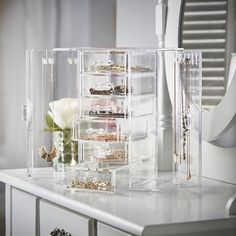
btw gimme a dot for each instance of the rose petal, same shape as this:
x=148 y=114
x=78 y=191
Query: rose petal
x=64 y=112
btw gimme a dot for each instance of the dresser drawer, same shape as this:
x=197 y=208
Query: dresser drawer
x=23 y=213
x=53 y=216
x=105 y=230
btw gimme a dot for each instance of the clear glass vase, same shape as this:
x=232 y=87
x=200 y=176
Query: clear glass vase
x=67 y=153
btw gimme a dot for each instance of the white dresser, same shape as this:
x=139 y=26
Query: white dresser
x=37 y=206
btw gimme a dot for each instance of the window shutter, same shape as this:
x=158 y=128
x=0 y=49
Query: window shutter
x=204 y=27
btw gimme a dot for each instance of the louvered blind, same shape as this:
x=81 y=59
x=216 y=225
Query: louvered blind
x=204 y=28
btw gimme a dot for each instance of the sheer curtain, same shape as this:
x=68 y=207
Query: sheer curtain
x=40 y=24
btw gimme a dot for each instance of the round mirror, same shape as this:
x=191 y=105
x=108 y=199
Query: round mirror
x=210 y=26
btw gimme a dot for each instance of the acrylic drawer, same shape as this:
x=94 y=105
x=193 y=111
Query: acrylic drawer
x=106 y=154
x=79 y=178
x=110 y=130
x=105 y=230
x=116 y=107
x=117 y=85
x=53 y=216
x=117 y=62
x=103 y=154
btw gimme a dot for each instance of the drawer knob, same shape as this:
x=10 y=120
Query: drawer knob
x=59 y=232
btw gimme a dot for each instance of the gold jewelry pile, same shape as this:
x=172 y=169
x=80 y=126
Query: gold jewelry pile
x=92 y=185
x=115 y=156
x=116 y=68
x=107 y=137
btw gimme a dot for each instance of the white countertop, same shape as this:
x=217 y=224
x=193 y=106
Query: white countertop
x=139 y=213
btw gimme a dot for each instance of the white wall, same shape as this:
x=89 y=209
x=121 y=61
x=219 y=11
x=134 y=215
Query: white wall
x=135 y=27
x=40 y=24
x=135 y=23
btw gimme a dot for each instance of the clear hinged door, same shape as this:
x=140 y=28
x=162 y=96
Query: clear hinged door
x=51 y=106
x=187 y=118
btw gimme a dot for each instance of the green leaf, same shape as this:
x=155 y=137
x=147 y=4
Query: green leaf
x=52 y=126
x=52 y=129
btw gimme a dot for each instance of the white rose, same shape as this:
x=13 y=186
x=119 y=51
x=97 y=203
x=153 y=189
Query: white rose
x=63 y=112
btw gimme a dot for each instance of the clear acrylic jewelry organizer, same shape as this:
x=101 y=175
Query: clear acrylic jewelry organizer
x=115 y=136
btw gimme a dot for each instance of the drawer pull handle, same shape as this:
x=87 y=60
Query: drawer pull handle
x=59 y=232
